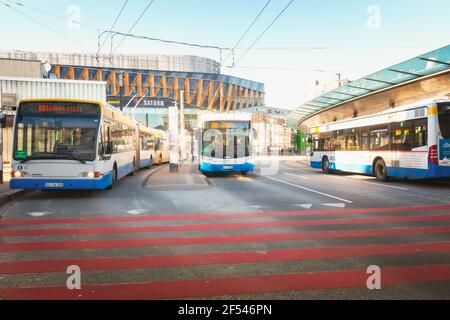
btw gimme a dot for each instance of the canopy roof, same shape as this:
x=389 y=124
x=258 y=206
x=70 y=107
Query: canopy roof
x=423 y=65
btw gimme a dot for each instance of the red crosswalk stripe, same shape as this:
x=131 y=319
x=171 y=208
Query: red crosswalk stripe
x=280 y=255
x=211 y=216
x=216 y=239
x=219 y=226
x=216 y=287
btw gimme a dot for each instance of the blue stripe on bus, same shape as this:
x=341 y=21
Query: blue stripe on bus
x=144 y=163
x=209 y=167
x=434 y=171
x=68 y=184
x=124 y=170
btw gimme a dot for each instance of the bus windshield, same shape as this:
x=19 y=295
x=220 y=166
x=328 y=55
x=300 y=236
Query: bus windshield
x=226 y=139
x=444 y=119
x=61 y=130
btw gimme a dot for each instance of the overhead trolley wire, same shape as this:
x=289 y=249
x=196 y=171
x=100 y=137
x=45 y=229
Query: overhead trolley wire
x=134 y=24
x=246 y=31
x=265 y=30
x=51 y=14
x=43 y=24
x=112 y=26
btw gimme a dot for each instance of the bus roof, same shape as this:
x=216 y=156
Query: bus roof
x=60 y=100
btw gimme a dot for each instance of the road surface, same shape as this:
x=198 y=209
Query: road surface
x=295 y=234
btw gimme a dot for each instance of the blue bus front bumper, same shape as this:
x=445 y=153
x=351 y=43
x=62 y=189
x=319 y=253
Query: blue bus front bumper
x=209 y=167
x=67 y=184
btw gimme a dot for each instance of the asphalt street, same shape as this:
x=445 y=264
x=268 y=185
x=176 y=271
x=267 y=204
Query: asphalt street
x=295 y=233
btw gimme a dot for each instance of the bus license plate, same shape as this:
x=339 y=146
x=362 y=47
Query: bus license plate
x=227 y=167
x=54 y=185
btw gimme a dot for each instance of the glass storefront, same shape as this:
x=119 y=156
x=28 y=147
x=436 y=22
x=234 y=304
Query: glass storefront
x=153 y=113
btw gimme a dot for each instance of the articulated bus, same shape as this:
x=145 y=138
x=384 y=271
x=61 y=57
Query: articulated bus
x=162 y=146
x=154 y=146
x=225 y=143
x=74 y=144
x=411 y=141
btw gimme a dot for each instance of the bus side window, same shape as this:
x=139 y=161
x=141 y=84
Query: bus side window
x=420 y=133
x=101 y=143
x=379 y=138
x=142 y=144
x=108 y=141
x=364 y=139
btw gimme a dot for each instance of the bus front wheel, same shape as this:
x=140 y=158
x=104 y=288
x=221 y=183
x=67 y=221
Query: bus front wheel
x=380 y=170
x=113 y=179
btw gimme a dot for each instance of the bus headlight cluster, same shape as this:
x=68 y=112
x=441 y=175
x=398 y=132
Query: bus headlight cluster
x=18 y=174
x=91 y=174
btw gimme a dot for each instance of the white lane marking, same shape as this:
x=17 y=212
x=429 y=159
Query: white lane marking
x=335 y=205
x=307 y=189
x=363 y=178
x=135 y=212
x=357 y=177
x=291 y=169
x=296 y=175
x=385 y=185
x=38 y=214
x=304 y=206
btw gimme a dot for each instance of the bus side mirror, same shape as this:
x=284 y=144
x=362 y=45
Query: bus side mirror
x=109 y=148
x=3 y=121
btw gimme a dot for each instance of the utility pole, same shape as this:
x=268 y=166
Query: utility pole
x=173 y=137
x=120 y=89
x=1 y=135
x=182 y=127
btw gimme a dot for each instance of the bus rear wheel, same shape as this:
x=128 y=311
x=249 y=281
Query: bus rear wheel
x=326 y=165
x=150 y=164
x=380 y=170
x=133 y=168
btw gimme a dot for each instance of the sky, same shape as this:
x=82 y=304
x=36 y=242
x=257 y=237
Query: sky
x=311 y=40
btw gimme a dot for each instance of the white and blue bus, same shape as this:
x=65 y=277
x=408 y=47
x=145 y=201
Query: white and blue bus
x=225 y=143
x=74 y=144
x=411 y=141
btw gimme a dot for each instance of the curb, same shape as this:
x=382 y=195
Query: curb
x=10 y=196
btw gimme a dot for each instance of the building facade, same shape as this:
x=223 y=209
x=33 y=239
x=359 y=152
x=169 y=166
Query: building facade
x=146 y=85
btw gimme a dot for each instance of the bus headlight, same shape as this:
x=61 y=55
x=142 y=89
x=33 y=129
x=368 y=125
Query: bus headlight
x=89 y=174
x=18 y=174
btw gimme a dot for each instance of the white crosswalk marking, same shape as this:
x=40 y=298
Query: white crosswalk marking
x=305 y=206
x=336 y=205
x=296 y=175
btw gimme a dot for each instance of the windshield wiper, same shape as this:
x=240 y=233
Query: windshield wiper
x=55 y=156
